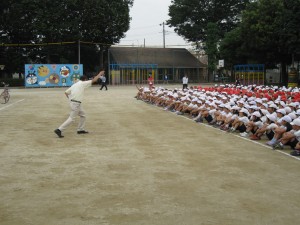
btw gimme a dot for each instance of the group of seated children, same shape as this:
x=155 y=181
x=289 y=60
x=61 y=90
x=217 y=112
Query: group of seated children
x=252 y=110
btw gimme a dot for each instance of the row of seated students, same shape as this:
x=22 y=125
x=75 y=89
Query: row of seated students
x=274 y=113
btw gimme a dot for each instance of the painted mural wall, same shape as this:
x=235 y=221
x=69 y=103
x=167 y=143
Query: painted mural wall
x=52 y=75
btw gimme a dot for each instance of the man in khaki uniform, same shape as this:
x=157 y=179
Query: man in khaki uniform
x=75 y=95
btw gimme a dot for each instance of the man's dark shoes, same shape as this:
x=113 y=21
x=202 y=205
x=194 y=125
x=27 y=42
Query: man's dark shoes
x=82 y=132
x=58 y=132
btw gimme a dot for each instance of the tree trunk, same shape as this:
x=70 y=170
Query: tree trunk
x=284 y=74
x=101 y=57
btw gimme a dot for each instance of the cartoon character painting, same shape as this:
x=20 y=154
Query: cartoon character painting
x=64 y=71
x=43 y=71
x=75 y=77
x=54 y=79
x=64 y=82
x=31 y=78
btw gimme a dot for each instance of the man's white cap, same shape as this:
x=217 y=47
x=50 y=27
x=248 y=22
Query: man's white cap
x=296 y=122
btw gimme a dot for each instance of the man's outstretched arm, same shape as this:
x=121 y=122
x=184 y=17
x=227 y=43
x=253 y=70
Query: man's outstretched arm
x=95 y=79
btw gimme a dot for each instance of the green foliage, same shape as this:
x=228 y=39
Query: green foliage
x=261 y=27
x=255 y=31
x=291 y=30
x=269 y=33
x=52 y=21
x=231 y=49
x=205 y=22
x=211 y=45
x=190 y=17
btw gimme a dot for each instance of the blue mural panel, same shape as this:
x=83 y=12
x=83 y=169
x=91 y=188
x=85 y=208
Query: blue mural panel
x=52 y=75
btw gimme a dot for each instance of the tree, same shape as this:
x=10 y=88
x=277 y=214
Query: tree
x=190 y=17
x=291 y=31
x=205 y=21
x=268 y=33
x=211 y=47
x=231 y=49
x=50 y=21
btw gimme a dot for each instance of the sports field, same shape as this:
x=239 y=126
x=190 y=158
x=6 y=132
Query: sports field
x=139 y=165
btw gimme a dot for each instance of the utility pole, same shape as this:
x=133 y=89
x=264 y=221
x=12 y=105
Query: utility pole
x=164 y=34
x=78 y=51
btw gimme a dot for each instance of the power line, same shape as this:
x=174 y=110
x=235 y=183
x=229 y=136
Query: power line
x=141 y=28
x=51 y=43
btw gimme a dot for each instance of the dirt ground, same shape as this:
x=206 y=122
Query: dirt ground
x=138 y=165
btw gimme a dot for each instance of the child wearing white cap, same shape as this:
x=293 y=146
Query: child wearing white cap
x=230 y=118
x=254 y=124
x=284 y=126
x=207 y=112
x=224 y=112
x=240 y=122
x=267 y=128
x=290 y=138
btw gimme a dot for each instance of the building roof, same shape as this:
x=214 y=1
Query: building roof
x=163 y=57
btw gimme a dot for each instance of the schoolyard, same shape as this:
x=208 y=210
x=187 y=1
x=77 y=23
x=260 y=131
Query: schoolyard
x=139 y=165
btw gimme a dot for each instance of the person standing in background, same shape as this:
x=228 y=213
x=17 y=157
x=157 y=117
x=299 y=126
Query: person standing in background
x=150 y=81
x=185 y=81
x=166 y=79
x=103 y=82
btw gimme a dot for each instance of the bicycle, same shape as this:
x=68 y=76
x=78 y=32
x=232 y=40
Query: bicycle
x=4 y=97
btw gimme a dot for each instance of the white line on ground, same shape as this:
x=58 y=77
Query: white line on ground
x=267 y=147
x=241 y=137
x=5 y=107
